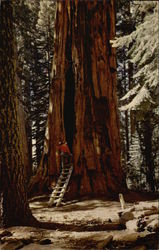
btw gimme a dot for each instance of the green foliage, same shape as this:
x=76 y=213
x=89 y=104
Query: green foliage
x=34 y=32
x=142 y=47
x=138 y=91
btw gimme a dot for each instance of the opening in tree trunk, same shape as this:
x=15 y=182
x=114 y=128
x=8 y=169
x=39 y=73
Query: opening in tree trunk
x=69 y=113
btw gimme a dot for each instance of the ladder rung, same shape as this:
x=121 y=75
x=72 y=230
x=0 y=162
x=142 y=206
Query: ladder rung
x=58 y=197
x=56 y=200
x=67 y=168
x=61 y=186
x=63 y=177
x=63 y=182
x=57 y=192
x=65 y=171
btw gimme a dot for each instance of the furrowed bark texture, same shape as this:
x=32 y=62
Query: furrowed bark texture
x=14 y=208
x=83 y=106
x=26 y=158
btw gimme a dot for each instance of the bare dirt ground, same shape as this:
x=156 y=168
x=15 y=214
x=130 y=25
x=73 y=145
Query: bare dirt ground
x=87 y=224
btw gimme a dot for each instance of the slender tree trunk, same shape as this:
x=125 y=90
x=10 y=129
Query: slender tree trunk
x=13 y=199
x=126 y=112
x=145 y=131
x=148 y=155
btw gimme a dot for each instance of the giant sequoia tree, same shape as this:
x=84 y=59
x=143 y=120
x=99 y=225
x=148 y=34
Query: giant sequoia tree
x=14 y=208
x=83 y=105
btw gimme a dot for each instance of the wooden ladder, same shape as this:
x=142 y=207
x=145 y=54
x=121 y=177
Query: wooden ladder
x=62 y=183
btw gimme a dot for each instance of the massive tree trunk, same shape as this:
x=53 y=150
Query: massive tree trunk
x=83 y=105
x=14 y=207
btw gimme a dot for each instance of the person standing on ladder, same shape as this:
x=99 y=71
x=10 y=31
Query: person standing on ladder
x=65 y=154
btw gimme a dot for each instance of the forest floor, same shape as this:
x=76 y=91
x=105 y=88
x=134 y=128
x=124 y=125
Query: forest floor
x=87 y=224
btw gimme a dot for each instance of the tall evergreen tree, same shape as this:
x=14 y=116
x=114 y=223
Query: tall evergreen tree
x=141 y=99
x=124 y=26
x=35 y=49
x=13 y=197
x=83 y=104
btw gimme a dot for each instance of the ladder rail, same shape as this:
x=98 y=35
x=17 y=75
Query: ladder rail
x=60 y=178
x=65 y=183
x=62 y=183
x=64 y=189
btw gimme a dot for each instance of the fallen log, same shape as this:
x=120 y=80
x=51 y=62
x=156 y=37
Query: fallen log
x=128 y=240
x=4 y=233
x=151 y=218
x=12 y=245
x=151 y=212
x=151 y=223
x=81 y=227
x=153 y=226
x=148 y=213
x=101 y=227
x=149 y=206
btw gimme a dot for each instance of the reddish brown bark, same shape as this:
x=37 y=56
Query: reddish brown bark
x=83 y=105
